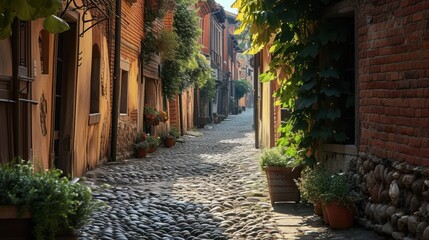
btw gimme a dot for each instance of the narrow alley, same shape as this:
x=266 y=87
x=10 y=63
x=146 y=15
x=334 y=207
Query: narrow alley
x=208 y=187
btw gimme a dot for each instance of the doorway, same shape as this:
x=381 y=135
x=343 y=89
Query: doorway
x=65 y=82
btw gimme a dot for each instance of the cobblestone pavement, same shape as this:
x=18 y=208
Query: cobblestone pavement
x=208 y=187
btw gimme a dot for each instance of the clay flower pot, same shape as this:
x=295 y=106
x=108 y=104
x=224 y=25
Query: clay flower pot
x=152 y=149
x=169 y=142
x=141 y=153
x=339 y=216
x=325 y=214
x=318 y=209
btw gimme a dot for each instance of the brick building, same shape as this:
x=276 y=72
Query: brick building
x=387 y=149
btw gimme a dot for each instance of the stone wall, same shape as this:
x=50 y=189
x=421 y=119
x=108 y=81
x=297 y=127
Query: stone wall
x=127 y=132
x=395 y=196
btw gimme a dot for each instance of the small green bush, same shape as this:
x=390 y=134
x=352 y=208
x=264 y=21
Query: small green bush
x=55 y=204
x=277 y=157
x=313 y=184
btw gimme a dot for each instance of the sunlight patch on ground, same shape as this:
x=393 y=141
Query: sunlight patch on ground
x=236 y=140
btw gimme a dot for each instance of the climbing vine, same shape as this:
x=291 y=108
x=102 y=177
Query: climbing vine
x=306 y=58
x=189 y=66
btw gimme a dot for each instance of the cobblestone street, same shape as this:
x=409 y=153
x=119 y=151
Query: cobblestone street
x=208 y=187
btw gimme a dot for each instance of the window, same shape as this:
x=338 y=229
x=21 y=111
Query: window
x=346 y=66
x=95 y=80
x=44 y=51
x=123 y=107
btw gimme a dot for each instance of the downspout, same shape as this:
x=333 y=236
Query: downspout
x=180 y=114
x=255 y=98
x=16 y=80
x=116 y=85
x=196 y=106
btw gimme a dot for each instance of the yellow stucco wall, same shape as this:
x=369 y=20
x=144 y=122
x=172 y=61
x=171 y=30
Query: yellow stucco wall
x=42 y=86
x=89 y=142
x=266 y=127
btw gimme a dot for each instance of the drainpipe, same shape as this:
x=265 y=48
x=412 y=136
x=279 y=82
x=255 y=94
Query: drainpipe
x=116 y=85
x=180 y=114
x=15 y=93
x=255 y=98
x=196 y=106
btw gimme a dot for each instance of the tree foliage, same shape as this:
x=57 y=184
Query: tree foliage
x=306 y=56
x=242 y=87
x=27 y=10
x=208 y=91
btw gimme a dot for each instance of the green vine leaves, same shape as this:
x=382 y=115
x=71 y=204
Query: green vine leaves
x=27 y=10
x=306 y=51
x=188 y=66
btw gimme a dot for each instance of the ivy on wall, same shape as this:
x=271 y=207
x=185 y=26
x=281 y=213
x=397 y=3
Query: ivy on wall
x=306 y=58
x=189 y=66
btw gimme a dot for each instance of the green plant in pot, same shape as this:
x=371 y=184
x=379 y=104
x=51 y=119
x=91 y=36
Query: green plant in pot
x=313 y=184
x=339 y=202
x=282 y=171
x=167 y=139
x=153 y=143
x=141 y=149
x=55 y=204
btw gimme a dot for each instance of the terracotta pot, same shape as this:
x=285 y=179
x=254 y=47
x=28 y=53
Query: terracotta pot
x=339 y=216
x=151 y=149
x=325 y=214
x=141 y=153
x=318 y=209
x=169 y=142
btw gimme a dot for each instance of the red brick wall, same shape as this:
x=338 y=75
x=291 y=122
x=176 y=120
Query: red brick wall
x=393 y=55
x=132 y=28
x=168 y=21
x=206 y=35
x=174 y=112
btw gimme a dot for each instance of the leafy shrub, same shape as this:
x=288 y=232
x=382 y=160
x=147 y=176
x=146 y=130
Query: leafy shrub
x=55 y=204
x=313 y=184
x=276 y=157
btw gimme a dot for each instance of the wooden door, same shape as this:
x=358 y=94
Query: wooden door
x=64 y=99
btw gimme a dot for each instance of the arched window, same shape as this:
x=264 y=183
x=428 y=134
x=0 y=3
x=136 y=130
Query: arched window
x=95 y=80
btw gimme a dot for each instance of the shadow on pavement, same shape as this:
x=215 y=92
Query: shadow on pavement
x=298 y=221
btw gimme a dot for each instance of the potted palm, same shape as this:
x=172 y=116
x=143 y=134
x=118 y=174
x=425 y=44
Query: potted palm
x=339 y=202
x=48 y=204
x=282 y=171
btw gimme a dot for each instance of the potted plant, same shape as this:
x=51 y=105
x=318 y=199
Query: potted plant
x=150 y=112
x=282 y=171
x=50 y=205
x=141 y=149
x=153 y=143
x=339 y=202
x=313 y=183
